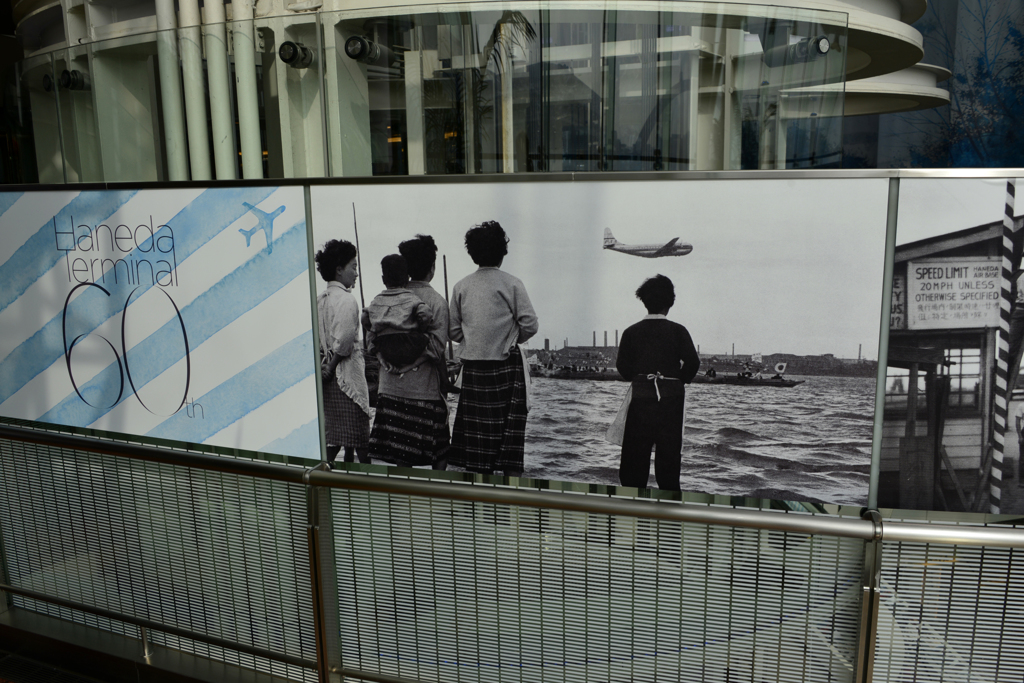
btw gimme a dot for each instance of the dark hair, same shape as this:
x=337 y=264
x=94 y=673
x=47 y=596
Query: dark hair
x=393 y=271
x=657 y=293
x=487 y=243
x=420 y=254
x=335 y=254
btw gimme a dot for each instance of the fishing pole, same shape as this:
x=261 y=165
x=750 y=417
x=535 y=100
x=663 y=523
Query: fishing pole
x=359 y=263
x=444 y=265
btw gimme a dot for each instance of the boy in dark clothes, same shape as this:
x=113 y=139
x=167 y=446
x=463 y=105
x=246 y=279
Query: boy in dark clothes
x=396 y=320
x=658 y=357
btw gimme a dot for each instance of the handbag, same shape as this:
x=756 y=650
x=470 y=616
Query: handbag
x=526 y=376
x=618 y=426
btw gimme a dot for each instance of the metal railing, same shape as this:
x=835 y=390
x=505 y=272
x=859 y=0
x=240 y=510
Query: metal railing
x=871 y=529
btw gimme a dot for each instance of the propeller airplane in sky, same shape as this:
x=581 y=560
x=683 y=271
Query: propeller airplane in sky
x=671 y=248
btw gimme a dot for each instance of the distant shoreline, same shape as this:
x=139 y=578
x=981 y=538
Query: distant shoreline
x=814 y=366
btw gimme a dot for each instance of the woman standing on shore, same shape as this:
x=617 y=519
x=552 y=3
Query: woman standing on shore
x=490 y=314
x=346 y=397
x=410 y=426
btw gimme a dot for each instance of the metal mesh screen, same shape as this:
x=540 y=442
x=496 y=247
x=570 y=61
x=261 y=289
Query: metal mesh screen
x=451 y=591
x=217 y=554
x=950 y=613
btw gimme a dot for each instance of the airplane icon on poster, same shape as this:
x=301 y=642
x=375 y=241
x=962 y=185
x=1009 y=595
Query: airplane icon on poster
x=265 y=222
x=671 y=248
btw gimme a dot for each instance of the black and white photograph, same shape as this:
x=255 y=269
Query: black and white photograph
x=954 y=408
x=702 y=336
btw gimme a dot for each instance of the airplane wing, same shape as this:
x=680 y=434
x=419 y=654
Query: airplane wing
x=667 y=249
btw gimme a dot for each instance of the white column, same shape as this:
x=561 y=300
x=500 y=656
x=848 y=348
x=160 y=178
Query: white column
x=414 y=145
x=469 y=86
x=508 y=135
x=220 y=90
x=195 y=91
x=348 y=103
x=170 y=91
x=244 y=39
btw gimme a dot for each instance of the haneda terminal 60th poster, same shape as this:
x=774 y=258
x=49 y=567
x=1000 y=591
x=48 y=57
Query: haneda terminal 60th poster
x=170 y=314
x=778 y=282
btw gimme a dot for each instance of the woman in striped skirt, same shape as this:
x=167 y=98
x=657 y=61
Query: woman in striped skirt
x=490 y=315
x=346 y=396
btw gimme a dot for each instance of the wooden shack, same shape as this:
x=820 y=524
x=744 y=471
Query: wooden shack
x=936 y=439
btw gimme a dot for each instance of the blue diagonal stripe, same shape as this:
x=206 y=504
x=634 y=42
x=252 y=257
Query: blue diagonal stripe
x=302 y=442
x=193 y=226
x=237 y=397
x=7 y=200
x=235 y=294
x=39 y=253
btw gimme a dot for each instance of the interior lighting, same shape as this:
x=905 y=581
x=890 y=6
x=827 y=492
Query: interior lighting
x=800 y=52
x=295 y=55
x=73 y=80
x=368 y=52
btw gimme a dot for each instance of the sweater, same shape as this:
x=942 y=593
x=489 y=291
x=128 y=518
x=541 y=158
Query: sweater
x=490 y=313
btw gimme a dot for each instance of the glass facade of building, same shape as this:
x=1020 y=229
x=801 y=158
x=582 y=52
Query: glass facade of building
x=428 y=90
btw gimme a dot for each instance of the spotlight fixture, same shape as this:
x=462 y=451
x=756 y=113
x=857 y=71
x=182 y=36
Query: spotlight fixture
x=368 y=52
x=47 y=83
x=73 y=80
x=799 y=52
x=295 y=55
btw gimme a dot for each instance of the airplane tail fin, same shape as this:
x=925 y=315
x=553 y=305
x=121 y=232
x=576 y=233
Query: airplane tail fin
x=609 y=238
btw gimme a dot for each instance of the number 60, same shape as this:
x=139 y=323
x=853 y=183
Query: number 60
x=123 y=369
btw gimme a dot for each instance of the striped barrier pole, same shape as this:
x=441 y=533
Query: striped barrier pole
x=1002 y=355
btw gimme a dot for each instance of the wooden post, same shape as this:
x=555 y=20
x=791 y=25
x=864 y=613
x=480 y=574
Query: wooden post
x=916 y=472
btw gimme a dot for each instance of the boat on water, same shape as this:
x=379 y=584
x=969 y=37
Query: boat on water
x=739 y=380
x=599 y=374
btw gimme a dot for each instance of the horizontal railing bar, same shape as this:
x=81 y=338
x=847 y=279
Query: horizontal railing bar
x=371 y=676
x=891 y=530
x=947 y=534
x=253 y=468
x=545 y=177
x=669 y=511
x=156 y=626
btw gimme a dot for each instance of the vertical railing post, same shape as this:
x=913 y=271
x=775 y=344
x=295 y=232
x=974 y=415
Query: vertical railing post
x=322 y=580
x=327 y=569
x=892 y=214
x=867 y=632
x=5 y=577
x=147 y=647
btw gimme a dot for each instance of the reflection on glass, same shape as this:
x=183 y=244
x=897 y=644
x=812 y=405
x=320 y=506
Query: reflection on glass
x=31 y=137
x=485 y=90
x=502 y=91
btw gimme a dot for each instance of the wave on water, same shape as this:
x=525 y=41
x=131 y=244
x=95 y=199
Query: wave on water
x=811 y=442
x=841 y=415
x=734 y=434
